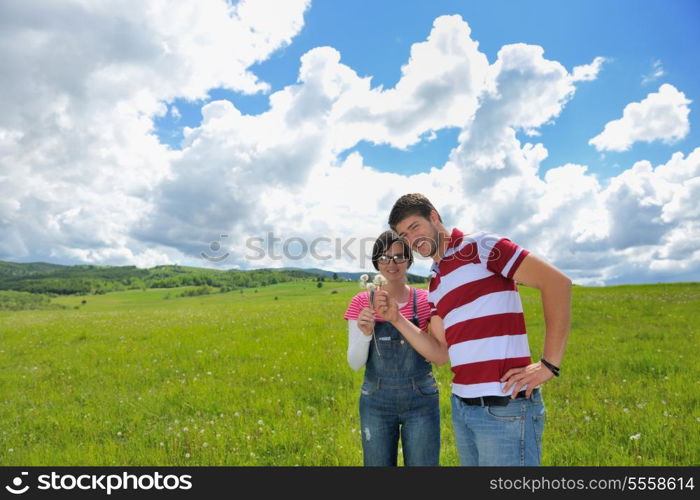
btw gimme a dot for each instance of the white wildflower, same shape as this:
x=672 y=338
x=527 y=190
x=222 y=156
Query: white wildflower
x=379 y=280
x=363 y=281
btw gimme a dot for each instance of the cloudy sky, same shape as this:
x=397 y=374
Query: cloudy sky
x=139 y=132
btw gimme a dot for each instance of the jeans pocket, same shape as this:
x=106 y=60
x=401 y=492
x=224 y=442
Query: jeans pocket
x=426 y=386
x=512 y=412
x=368 y=388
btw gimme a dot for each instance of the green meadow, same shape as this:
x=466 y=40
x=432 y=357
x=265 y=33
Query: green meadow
x=260 y=378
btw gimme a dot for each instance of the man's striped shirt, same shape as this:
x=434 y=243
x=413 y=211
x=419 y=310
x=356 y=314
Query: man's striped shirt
x=473 y=291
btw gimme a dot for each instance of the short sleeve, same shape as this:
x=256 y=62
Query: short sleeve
x=357 y=303
x=424 y=308
x=432 y=287
x=433 y=309
x=502 y=255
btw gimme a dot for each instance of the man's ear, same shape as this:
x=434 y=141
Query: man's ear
x=434 y=217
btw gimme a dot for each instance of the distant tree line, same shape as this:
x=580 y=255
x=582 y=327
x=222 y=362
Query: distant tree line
x=53 y=279
x=21 y=301
x=83 y=280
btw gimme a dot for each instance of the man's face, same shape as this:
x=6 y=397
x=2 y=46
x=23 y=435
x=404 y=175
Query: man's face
x=420 y=234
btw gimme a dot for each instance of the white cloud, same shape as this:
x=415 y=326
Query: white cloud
x=588 y=72
x=285 y=149
x=80 y=85
x=661 y=116
x=439 y=87
x=84 y=178
x=657 y=71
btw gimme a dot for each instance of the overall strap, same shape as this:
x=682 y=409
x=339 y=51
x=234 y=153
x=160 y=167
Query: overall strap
x=415 y=304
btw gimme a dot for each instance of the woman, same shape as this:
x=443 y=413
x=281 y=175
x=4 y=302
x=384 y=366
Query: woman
x=399 y=395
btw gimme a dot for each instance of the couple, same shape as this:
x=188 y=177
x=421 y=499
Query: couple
x=472 y=316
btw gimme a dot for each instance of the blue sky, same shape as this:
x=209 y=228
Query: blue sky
x=375 y=39
x=569 y=127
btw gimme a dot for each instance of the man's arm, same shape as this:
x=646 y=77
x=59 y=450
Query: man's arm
x=432 y=346
x=555 y=290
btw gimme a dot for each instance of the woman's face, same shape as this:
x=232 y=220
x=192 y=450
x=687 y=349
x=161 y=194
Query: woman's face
x=391 y=270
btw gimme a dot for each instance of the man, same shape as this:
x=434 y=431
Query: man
x=497 y=408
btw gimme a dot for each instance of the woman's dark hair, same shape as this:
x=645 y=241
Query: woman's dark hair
x=384 y=242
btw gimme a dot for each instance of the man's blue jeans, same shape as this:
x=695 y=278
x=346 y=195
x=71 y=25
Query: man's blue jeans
x=499 y=435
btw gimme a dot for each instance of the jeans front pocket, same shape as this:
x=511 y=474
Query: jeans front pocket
x=368 y=388
x=426 y=386
x=512 y=412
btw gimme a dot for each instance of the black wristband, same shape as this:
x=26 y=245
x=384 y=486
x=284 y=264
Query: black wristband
x=550 y=367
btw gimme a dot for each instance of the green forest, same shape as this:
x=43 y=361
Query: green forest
x=54 y=279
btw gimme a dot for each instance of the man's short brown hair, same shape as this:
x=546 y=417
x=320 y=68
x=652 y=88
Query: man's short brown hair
x=410 y=204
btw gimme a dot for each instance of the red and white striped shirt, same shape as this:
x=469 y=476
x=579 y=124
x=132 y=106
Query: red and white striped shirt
x=473 y=291
x=361 y=300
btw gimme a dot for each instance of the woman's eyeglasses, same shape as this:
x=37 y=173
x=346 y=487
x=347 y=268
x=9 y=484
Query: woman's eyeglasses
x=398 y=259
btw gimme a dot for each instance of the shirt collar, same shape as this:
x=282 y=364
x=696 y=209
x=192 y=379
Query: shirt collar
x=455 y=239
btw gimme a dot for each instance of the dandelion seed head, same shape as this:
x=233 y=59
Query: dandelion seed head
x=379 y=280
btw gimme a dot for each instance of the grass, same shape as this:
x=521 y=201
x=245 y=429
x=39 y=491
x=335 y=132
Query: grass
x=260 y=378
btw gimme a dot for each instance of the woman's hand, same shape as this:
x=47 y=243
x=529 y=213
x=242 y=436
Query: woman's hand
x=365 y=321
x=385 y=306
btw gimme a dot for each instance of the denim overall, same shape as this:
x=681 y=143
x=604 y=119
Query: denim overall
x=399 y=397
